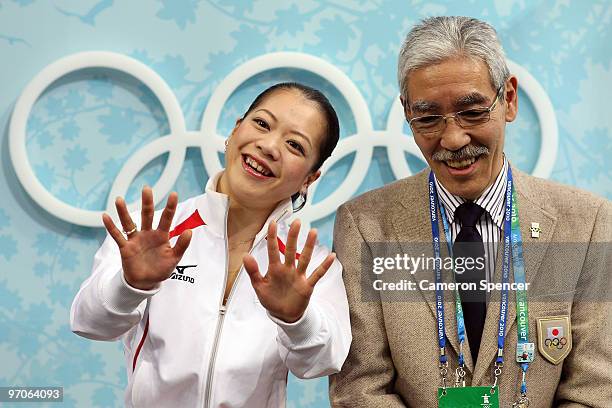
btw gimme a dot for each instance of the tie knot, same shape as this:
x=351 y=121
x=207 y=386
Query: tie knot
x=468 y=213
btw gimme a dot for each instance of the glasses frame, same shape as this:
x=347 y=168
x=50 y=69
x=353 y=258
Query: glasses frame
x=454 y=115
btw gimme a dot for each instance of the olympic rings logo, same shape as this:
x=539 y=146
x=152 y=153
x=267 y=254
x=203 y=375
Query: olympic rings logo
x=362 y=143
x=555 y=342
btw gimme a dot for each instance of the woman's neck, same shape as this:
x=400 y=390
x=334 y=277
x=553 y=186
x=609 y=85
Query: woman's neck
x=244 y=223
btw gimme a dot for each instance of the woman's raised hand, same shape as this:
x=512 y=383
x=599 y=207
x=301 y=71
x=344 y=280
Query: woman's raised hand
x=146 y=255
x=285 y=290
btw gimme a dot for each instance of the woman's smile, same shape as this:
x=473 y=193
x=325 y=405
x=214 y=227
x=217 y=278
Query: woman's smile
x=256 y=167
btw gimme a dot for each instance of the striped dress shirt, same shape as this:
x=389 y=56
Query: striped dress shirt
x=490 y=224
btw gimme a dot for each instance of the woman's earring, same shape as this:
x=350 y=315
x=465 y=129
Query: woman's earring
x=226 y=143
x=299 y=200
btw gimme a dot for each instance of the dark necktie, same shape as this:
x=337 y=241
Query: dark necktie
x=468 y=244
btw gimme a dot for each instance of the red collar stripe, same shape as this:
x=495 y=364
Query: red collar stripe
x=192 y=222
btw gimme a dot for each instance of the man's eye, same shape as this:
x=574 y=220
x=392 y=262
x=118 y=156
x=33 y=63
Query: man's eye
x=474 y=114
x=296 y=146
x=261 y=123
x=427 y=120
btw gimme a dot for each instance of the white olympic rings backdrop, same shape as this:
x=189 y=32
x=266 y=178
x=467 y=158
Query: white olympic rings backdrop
x=362 y=143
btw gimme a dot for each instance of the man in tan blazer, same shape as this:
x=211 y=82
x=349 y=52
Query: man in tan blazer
x=449 y=65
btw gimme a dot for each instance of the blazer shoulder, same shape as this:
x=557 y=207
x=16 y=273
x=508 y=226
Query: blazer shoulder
x=389 y=195
x=560 y=199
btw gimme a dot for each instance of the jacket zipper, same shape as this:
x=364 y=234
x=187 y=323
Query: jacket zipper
x=222 y=311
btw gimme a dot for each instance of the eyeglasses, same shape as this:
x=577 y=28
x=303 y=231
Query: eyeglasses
x=432 y=125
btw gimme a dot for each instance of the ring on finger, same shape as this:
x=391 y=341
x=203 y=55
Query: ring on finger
x=130 y=232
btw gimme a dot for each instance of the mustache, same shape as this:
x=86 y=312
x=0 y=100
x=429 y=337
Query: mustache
x=466 y=152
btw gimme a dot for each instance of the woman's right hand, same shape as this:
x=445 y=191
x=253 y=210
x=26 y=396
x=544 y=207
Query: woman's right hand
x=146 y=255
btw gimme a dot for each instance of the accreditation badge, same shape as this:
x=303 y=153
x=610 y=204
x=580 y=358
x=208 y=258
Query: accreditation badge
x=525 y=352
x=468 y=397
x=554 y=337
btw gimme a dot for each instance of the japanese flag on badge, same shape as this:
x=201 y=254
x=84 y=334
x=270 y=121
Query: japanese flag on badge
x=554 y=337
x=555 y=331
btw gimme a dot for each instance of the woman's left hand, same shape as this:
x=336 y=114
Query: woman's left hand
x=285 y=290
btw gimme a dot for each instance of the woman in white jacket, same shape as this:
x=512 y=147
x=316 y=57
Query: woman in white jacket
x=196 y=331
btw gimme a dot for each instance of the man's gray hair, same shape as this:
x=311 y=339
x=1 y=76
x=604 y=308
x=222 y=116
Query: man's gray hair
x=436 y=39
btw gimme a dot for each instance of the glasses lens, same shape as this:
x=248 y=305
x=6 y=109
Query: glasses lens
x=427 y=124
x=473 y=117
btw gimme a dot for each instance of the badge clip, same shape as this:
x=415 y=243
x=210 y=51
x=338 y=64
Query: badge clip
x=523 y=402
x=535 y=230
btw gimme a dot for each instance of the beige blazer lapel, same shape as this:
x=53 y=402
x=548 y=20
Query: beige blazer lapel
x=529 y=211
x=412 y=225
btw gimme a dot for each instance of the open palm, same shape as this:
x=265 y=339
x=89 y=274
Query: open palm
x=285 y=290
x=146 y=255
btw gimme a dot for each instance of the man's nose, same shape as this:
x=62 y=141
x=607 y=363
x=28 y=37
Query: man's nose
x=453 y=137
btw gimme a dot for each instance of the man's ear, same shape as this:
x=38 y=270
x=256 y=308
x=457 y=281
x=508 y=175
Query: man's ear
x=310 y=179
x=511 y=98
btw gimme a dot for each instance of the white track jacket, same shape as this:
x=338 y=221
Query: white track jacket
x=184 y=348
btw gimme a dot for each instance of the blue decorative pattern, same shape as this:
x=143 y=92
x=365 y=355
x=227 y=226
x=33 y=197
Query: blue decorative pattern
x=88 y=123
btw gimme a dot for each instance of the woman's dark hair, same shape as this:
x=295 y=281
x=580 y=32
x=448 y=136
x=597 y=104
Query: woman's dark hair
x=332 y=127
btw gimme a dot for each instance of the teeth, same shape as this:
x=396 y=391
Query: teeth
x=256 y=166
x=460 y=164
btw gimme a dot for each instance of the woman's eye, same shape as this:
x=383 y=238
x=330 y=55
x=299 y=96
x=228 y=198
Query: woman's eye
x=296 y=146
x=261 y=123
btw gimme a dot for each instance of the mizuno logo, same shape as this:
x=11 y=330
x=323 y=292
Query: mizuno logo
x=181 y=273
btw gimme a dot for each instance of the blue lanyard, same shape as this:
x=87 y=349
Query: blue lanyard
x=433 y=205
x=512 y=242
x=503 y=304
x=511 y=217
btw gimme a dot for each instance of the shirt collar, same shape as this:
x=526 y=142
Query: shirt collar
x=213 y=208
x=492 y=199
